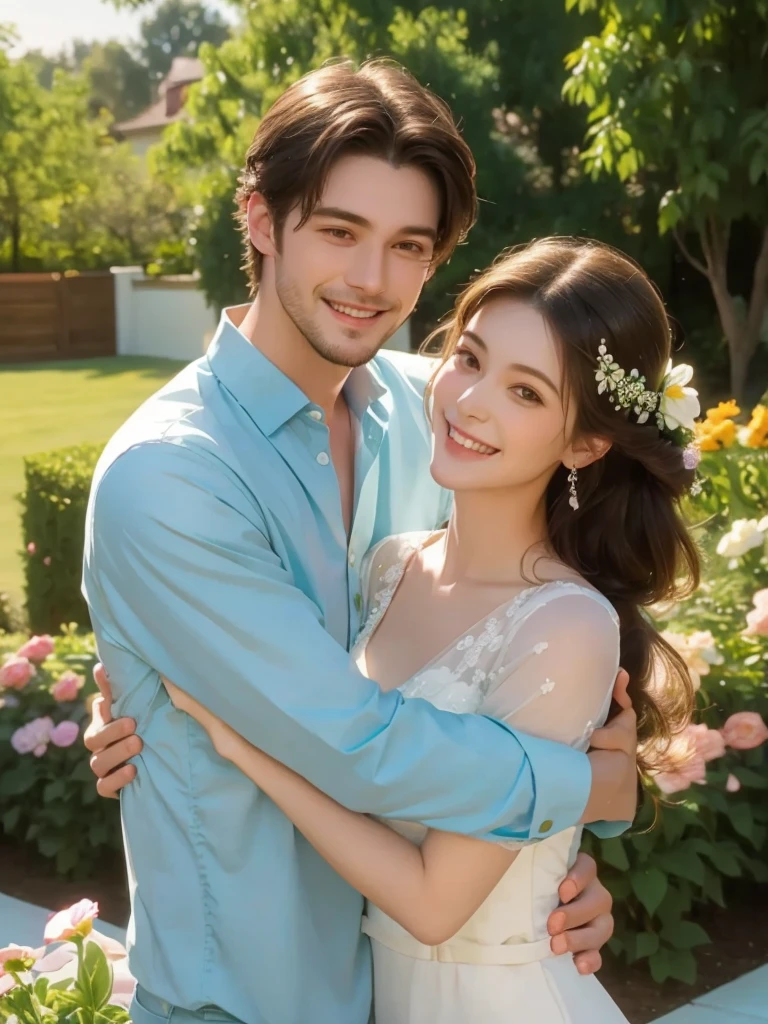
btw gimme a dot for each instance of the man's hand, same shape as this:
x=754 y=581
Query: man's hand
x=111 y=743
x=583 y=923
x=613 y=756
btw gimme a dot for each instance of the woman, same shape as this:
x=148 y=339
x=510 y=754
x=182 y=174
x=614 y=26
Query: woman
x=563 y=436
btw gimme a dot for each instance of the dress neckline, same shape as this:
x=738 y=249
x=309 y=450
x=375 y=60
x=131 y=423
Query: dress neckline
x=398 y=570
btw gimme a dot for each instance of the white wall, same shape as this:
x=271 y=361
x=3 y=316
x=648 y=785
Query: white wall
x=164 y=317
x=167 y=317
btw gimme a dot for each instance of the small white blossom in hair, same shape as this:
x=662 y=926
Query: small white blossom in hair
x=679 y=405
x=608 y=372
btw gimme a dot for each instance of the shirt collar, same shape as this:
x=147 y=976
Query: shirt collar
x=269 y=397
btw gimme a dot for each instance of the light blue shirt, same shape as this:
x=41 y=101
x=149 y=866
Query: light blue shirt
x=216 y=555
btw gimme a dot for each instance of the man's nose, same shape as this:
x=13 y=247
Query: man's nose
x=367 y=270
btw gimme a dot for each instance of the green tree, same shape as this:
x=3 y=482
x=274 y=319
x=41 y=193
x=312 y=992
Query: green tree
x=678 y=107
x=70 y=197
x=176 y=29
x=118 y=82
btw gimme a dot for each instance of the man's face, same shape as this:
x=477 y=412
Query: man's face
x=352 y=274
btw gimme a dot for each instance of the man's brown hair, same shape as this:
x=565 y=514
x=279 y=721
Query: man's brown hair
x=378 y=109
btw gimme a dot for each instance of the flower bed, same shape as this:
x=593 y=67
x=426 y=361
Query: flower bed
x=47 y=792
x=707 y=822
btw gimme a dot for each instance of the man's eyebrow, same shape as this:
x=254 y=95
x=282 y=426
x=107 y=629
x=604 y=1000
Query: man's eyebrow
x=354 y=218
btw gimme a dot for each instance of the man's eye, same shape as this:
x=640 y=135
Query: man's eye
x=337 y=232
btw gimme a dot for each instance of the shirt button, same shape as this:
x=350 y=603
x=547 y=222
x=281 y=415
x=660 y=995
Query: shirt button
x=352 y=558
x=545 y=826
x=315 y=414
x=323 y=458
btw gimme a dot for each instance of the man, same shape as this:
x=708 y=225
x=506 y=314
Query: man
x=226 y=527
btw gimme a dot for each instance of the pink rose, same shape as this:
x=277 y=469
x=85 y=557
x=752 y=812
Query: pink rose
x=757 y=618
x=75 y=920
x=745 y=730
x=707 y=743
x=64 y=734
x=732 y=784
x=692 y=771
x=47 y=560
x=38 y=648
x=31 y=548
x=67 y=686
x=16 y=672
x=33 y=738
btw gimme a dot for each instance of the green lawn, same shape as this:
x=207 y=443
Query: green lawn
x=52 y=405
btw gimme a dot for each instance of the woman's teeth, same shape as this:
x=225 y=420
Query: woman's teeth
x=361 y=314
x=465 y=442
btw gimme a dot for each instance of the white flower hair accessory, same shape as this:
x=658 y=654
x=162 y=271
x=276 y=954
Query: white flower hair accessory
x=674 y=406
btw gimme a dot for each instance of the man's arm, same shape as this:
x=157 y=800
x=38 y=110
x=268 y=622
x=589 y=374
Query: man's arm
x=181 y=575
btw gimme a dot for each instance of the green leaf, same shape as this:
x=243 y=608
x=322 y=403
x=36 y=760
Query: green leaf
x=685 y=935
x=741 y=819
x=681 y=964
x=683 y=862
x=646 y=944
x=650 y=887
x=99 y=974
x=659 y=966
x=612 y=852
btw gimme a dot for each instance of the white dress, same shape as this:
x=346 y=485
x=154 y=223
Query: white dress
x=544 y=662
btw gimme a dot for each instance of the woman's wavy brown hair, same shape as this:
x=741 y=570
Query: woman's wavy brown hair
x=628 y=537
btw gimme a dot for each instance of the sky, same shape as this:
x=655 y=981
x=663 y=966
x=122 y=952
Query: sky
x=50 y=24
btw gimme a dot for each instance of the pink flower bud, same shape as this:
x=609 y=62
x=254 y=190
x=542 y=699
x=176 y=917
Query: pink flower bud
x=75 y=920
x=31 y=548
x=38 y=648
x=16 y=672
x=47 y=560
x=732 y=784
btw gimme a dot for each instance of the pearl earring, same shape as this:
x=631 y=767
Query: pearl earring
x=573 y=501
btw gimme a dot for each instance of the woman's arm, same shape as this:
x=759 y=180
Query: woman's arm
x=416 y=886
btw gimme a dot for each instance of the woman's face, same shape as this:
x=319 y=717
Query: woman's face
x=499 y=416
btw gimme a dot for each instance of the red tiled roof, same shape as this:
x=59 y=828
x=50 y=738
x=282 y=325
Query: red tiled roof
x=184 y=71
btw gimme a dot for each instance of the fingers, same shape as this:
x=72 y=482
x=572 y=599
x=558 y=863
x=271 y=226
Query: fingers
x=588 y=939
x=114 y=756
x=589 y=962
x=112 y=784
x=102 y=681
x=581 y=875
x=99 y=734
x=620 y=694
x=594 y=902
x=619 y=734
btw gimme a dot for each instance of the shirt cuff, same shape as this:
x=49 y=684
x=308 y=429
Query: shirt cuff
x=608 y=829
x=562 y=779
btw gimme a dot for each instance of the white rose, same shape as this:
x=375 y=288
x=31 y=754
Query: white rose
x=744 y=535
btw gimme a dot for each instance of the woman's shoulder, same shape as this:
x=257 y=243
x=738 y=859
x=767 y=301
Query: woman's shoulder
x=572 y=601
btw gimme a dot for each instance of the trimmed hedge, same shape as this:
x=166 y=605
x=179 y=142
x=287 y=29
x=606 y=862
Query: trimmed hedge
x=54 y=502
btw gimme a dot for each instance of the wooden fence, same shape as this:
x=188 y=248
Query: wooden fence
x=53 y=316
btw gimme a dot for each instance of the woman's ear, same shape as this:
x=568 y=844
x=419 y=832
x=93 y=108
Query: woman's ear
x=261 y=229
x=585 y=451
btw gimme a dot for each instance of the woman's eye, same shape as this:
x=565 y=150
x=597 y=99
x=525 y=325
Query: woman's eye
x=527 y=394
x=467 y=359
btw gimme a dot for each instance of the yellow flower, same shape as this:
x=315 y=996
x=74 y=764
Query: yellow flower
x=725 y=410
x=756 y=432
x=713 y=436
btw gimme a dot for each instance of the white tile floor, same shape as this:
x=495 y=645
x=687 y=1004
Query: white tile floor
x=744 y=1001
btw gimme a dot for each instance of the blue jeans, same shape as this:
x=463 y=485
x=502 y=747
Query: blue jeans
x=148 y=1009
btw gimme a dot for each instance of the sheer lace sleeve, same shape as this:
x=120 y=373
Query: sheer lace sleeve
x=555 y=671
